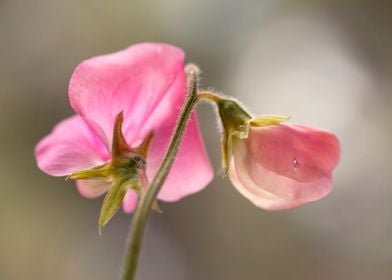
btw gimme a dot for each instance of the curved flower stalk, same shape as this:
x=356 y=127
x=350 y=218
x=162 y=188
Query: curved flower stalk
x=275 y=165
x=146 y=84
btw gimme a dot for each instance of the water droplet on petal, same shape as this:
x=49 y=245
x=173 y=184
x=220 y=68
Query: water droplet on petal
x=295 y=163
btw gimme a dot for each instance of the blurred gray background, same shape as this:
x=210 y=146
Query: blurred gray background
x=325 y=63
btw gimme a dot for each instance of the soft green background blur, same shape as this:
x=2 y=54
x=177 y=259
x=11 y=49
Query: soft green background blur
x=325 y=63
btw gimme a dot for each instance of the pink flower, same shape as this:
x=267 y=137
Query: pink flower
x=283 y=166
x=148 y=84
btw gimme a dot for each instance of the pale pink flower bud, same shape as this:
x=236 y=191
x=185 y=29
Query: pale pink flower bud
x=283 y=166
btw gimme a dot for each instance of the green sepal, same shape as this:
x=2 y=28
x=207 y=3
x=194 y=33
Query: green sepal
x=226 y=149
x=112 y=201
x=235 y=121
x=142 y=186
x=101 y=171
x=142 y=149
x=156 y=208
x=119 y=144
x=225 y=153
x=268 y=120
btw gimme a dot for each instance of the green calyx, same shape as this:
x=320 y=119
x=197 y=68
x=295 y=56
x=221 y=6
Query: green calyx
x=235 y=119
x=125 y=170
x=236 y=122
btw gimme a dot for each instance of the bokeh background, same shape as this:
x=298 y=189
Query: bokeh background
x=326 y=63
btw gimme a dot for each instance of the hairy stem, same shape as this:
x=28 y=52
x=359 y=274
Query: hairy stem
x=147 y=199
x=210 y=96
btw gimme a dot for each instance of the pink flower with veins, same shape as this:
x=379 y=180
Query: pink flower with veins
x=283 y=166
x=148 y=84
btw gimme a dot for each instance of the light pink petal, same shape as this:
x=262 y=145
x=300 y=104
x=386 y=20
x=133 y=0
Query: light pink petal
x=92 y=188
x=266 y=191
x=191 y=171
x=283 y=166
x=164 y=114
x=257 y=195
x=71 y=146
x=134 y=81
x=130 y=201
x=301 y=153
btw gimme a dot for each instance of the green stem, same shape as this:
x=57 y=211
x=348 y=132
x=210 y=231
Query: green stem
x=146 y=201
x=210 y=96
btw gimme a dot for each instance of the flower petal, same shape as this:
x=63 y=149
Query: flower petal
x=191 y=170
x=71 y=146
x=132 y=81
x=130 y=201
x=92 y=188
x=262 y=192
x=298 y=152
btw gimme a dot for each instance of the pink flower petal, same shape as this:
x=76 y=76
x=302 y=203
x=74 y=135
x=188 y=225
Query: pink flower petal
x=92 y=188
x=71 y=146
x=134 y=81
x=147 y=83
x=130 y=201
x=191 y=171
x=284 y=166
x=294 y=151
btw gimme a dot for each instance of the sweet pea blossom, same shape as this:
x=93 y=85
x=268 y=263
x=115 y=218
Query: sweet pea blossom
x=284 y=166
x=146 y=84
x=275 y=165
